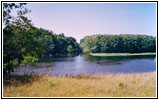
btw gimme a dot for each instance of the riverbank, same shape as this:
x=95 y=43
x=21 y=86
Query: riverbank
x=122 y=85
x=123 y=54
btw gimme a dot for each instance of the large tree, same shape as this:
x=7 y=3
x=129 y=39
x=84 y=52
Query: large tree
x=20 y=40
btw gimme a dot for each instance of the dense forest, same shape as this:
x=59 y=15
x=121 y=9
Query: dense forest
x=24 y=43
x=118 y=44
x=55 y=44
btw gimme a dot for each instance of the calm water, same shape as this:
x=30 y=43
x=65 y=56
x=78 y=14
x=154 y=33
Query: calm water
x=89 y=65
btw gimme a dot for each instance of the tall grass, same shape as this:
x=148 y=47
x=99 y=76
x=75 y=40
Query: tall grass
x=121 y=85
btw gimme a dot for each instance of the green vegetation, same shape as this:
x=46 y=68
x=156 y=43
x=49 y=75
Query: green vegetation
x=23 y=43
x=120 y=85
x=19 y=37
x=57 y=44
x=121 y=54
x=118 y=44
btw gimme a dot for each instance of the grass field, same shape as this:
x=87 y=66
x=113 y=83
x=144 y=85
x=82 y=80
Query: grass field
x=121 y=85
x=121 y=54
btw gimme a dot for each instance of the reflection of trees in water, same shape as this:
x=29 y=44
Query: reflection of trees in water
x=111 y=60
x=58 y=58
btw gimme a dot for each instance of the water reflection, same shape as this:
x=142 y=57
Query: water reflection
x=86 y=64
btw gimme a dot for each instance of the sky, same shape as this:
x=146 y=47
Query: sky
x=83 y=19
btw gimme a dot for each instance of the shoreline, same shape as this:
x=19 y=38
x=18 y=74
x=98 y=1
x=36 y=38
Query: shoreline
x=123 y=54
x=67 y=75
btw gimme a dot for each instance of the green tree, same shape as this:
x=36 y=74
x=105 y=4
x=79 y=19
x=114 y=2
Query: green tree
x=118 y=43
x=19 y=37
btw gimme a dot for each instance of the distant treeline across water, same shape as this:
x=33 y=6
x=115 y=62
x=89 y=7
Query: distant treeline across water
x=118 y=44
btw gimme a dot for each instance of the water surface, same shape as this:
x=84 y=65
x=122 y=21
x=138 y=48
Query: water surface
x=89 y=65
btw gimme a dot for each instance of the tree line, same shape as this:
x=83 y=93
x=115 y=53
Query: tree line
x=118 y=44
x=23 y=43
x=55 y=44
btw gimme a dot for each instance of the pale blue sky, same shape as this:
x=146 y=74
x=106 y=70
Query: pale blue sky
x=82 y=19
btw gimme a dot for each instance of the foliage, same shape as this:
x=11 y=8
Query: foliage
x=57 y=44
x=118 y=44
x=70 y=48
x=28 y=59
x=19 y=37
x=19 y=19
x=12 y=63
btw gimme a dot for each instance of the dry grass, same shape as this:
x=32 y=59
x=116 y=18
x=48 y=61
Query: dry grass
x=122 y=85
